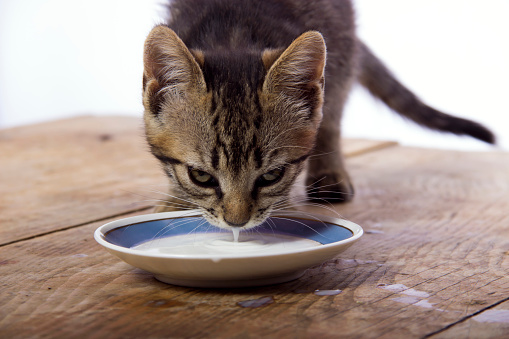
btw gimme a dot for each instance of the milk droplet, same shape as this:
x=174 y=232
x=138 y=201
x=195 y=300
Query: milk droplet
x=236 y=232
x=400 y=288
x=254 y=303
x=327 y=292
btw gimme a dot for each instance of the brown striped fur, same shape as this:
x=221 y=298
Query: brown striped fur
x=236 y=104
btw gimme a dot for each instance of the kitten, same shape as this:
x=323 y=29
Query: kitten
x=239 y=99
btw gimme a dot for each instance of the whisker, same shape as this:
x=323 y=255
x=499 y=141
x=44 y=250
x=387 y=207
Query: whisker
x=316 y=205
x=271 y=226
x=327 y=205
x=194 y=229
x=335 y=192
x=165 y=203
x=177 y=222
x=177 y=209
x=304 y=224
x=290 y=146
x=295 y=203
x=181 y=206
x=312 y=184
x=174 y=197
x=321 y=154
x=312 y=187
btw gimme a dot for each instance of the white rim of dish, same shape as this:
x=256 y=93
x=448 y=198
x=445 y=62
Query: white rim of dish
x=99 y=235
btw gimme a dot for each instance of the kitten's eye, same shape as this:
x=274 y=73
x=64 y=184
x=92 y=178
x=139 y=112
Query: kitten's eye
x=270 y=178
x=202 y=178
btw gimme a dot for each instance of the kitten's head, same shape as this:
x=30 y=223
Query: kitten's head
x=232 y=129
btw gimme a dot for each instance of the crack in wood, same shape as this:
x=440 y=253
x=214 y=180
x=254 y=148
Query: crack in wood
x=76 y=226
x=465 y=318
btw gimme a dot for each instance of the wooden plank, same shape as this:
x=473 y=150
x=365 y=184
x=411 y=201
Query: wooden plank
x=437 y=222
x=492 y=322
x=435 y=253
x=70 y=172
x=354 y=147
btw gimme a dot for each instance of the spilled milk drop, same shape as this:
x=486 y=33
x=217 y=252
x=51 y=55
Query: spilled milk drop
x=254 y=303
x=327 y=292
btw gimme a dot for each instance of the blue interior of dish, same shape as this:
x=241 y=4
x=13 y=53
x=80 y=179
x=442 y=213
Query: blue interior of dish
x=132 y=235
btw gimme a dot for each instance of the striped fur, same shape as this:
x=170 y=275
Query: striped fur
x=236 y=104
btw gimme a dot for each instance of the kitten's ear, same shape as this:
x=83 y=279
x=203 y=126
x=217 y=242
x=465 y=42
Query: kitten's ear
x=169 y=65
x=298 y=73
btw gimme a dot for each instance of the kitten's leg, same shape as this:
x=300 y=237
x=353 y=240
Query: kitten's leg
x=327 y=178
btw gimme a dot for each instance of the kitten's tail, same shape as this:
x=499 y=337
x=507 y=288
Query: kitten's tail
x=382 y=84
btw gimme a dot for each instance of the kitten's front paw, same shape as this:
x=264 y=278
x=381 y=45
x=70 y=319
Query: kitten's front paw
x=331 y=187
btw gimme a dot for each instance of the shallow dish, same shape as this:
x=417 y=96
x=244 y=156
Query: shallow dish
x=181 y=248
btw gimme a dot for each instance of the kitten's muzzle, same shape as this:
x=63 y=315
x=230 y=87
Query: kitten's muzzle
x=233 y=224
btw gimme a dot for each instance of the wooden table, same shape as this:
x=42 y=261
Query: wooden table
x=433 y=262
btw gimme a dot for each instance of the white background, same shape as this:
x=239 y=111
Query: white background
x=61 y=58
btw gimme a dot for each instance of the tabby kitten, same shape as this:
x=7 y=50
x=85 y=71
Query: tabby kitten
x=236 y=104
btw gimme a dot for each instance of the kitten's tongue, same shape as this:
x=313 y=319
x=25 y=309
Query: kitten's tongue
x=236 y=232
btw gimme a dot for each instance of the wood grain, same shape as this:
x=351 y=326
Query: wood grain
x=434 y=256
x=354 y=147
x=436 y=220
x=70 y=172
x=491 y=322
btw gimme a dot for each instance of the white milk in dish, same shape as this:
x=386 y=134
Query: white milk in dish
x=221 y=244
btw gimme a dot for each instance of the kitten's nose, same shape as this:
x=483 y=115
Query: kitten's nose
x=233 y=224
x=236 y=208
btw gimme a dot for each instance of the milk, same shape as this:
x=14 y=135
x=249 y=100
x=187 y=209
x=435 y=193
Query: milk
x=221 y=244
